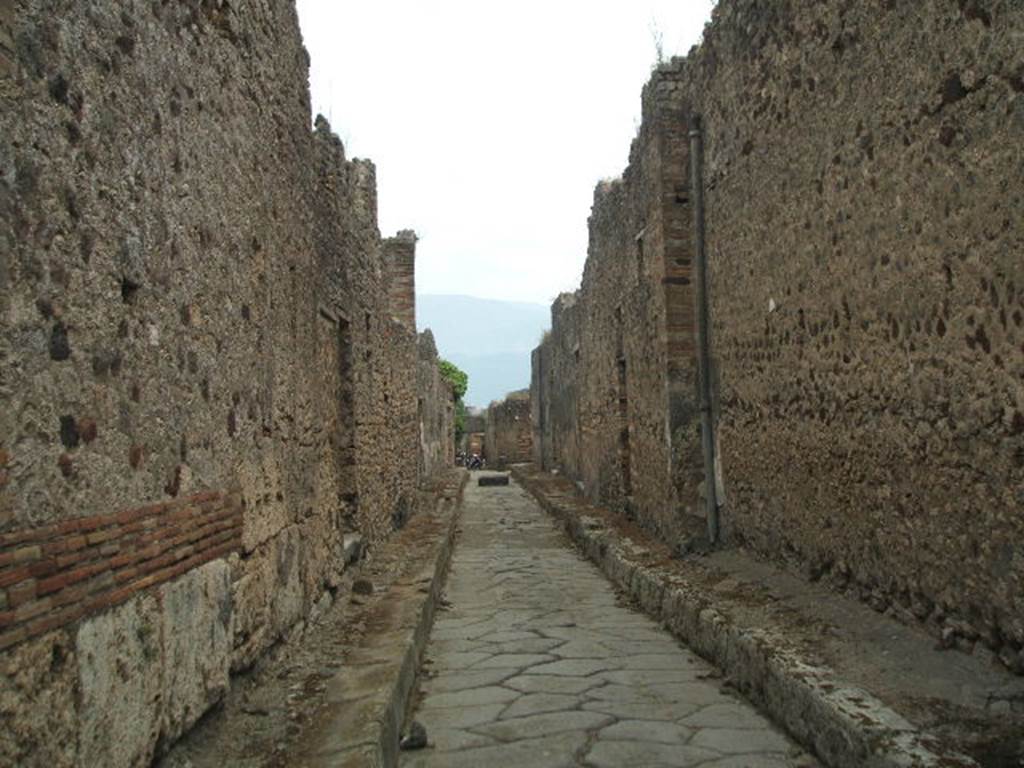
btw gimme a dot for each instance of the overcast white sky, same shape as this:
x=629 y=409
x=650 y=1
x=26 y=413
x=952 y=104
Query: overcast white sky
x=490 y=123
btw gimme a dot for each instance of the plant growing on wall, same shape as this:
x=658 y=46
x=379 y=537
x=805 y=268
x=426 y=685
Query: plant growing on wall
x=459 y=382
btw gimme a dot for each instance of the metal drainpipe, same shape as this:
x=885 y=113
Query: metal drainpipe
x=703 y=321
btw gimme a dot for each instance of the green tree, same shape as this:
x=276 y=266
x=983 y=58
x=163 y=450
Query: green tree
x=456 y=377
x=459 y=382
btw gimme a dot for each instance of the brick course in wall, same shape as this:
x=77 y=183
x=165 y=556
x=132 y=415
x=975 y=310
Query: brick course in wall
x=54 y=575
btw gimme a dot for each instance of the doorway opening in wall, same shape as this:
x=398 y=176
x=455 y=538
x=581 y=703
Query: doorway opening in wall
x=625 y=459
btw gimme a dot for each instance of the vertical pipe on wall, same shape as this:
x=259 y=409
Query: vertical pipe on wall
x=703 y=325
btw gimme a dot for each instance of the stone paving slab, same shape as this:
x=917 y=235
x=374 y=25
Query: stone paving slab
x=536 y=663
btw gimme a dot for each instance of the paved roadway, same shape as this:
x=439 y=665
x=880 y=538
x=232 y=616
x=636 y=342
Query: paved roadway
x=537 y=664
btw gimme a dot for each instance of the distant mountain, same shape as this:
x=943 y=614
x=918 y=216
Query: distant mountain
x=491 y=377
x=490 y=340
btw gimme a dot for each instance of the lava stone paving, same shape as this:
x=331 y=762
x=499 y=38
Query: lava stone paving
x=536 y=663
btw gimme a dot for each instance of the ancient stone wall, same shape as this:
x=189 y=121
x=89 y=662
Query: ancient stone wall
x=436 y=411
x=554 y=409
x=864 y=230
x=540 y=399
x=200 y=369
x=868 y=317
x=476 y=420
x=400 y=253
x=475 y=444
x=476 y=423
x=509 y=435
x=616 y=401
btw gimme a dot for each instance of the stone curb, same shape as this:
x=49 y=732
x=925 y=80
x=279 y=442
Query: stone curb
x=372 y=692
x=845 y=726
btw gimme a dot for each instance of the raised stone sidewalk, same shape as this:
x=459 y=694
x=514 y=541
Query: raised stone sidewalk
x=860 y=690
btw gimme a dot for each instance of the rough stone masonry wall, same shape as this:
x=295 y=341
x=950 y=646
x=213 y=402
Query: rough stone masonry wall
x=198 y=366
x=509 y=436
x=474 y=432
x=540 y=402
x=865 y=214
x=614 y=383
x=436 y=411
x=476 y=420
x=872 y=423
x=553 y=394
x=400 y=252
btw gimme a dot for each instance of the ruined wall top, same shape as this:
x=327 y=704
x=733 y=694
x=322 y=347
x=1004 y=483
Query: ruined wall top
x=427 y=345
x=400 y=254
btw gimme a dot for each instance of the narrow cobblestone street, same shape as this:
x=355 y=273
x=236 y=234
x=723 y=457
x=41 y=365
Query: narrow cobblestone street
x=537 y=663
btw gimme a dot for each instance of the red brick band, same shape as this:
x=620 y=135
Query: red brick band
x=56 y=574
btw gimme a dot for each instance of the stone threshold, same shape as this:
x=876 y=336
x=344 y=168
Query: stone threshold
x=731 y=620
x=367 y=700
